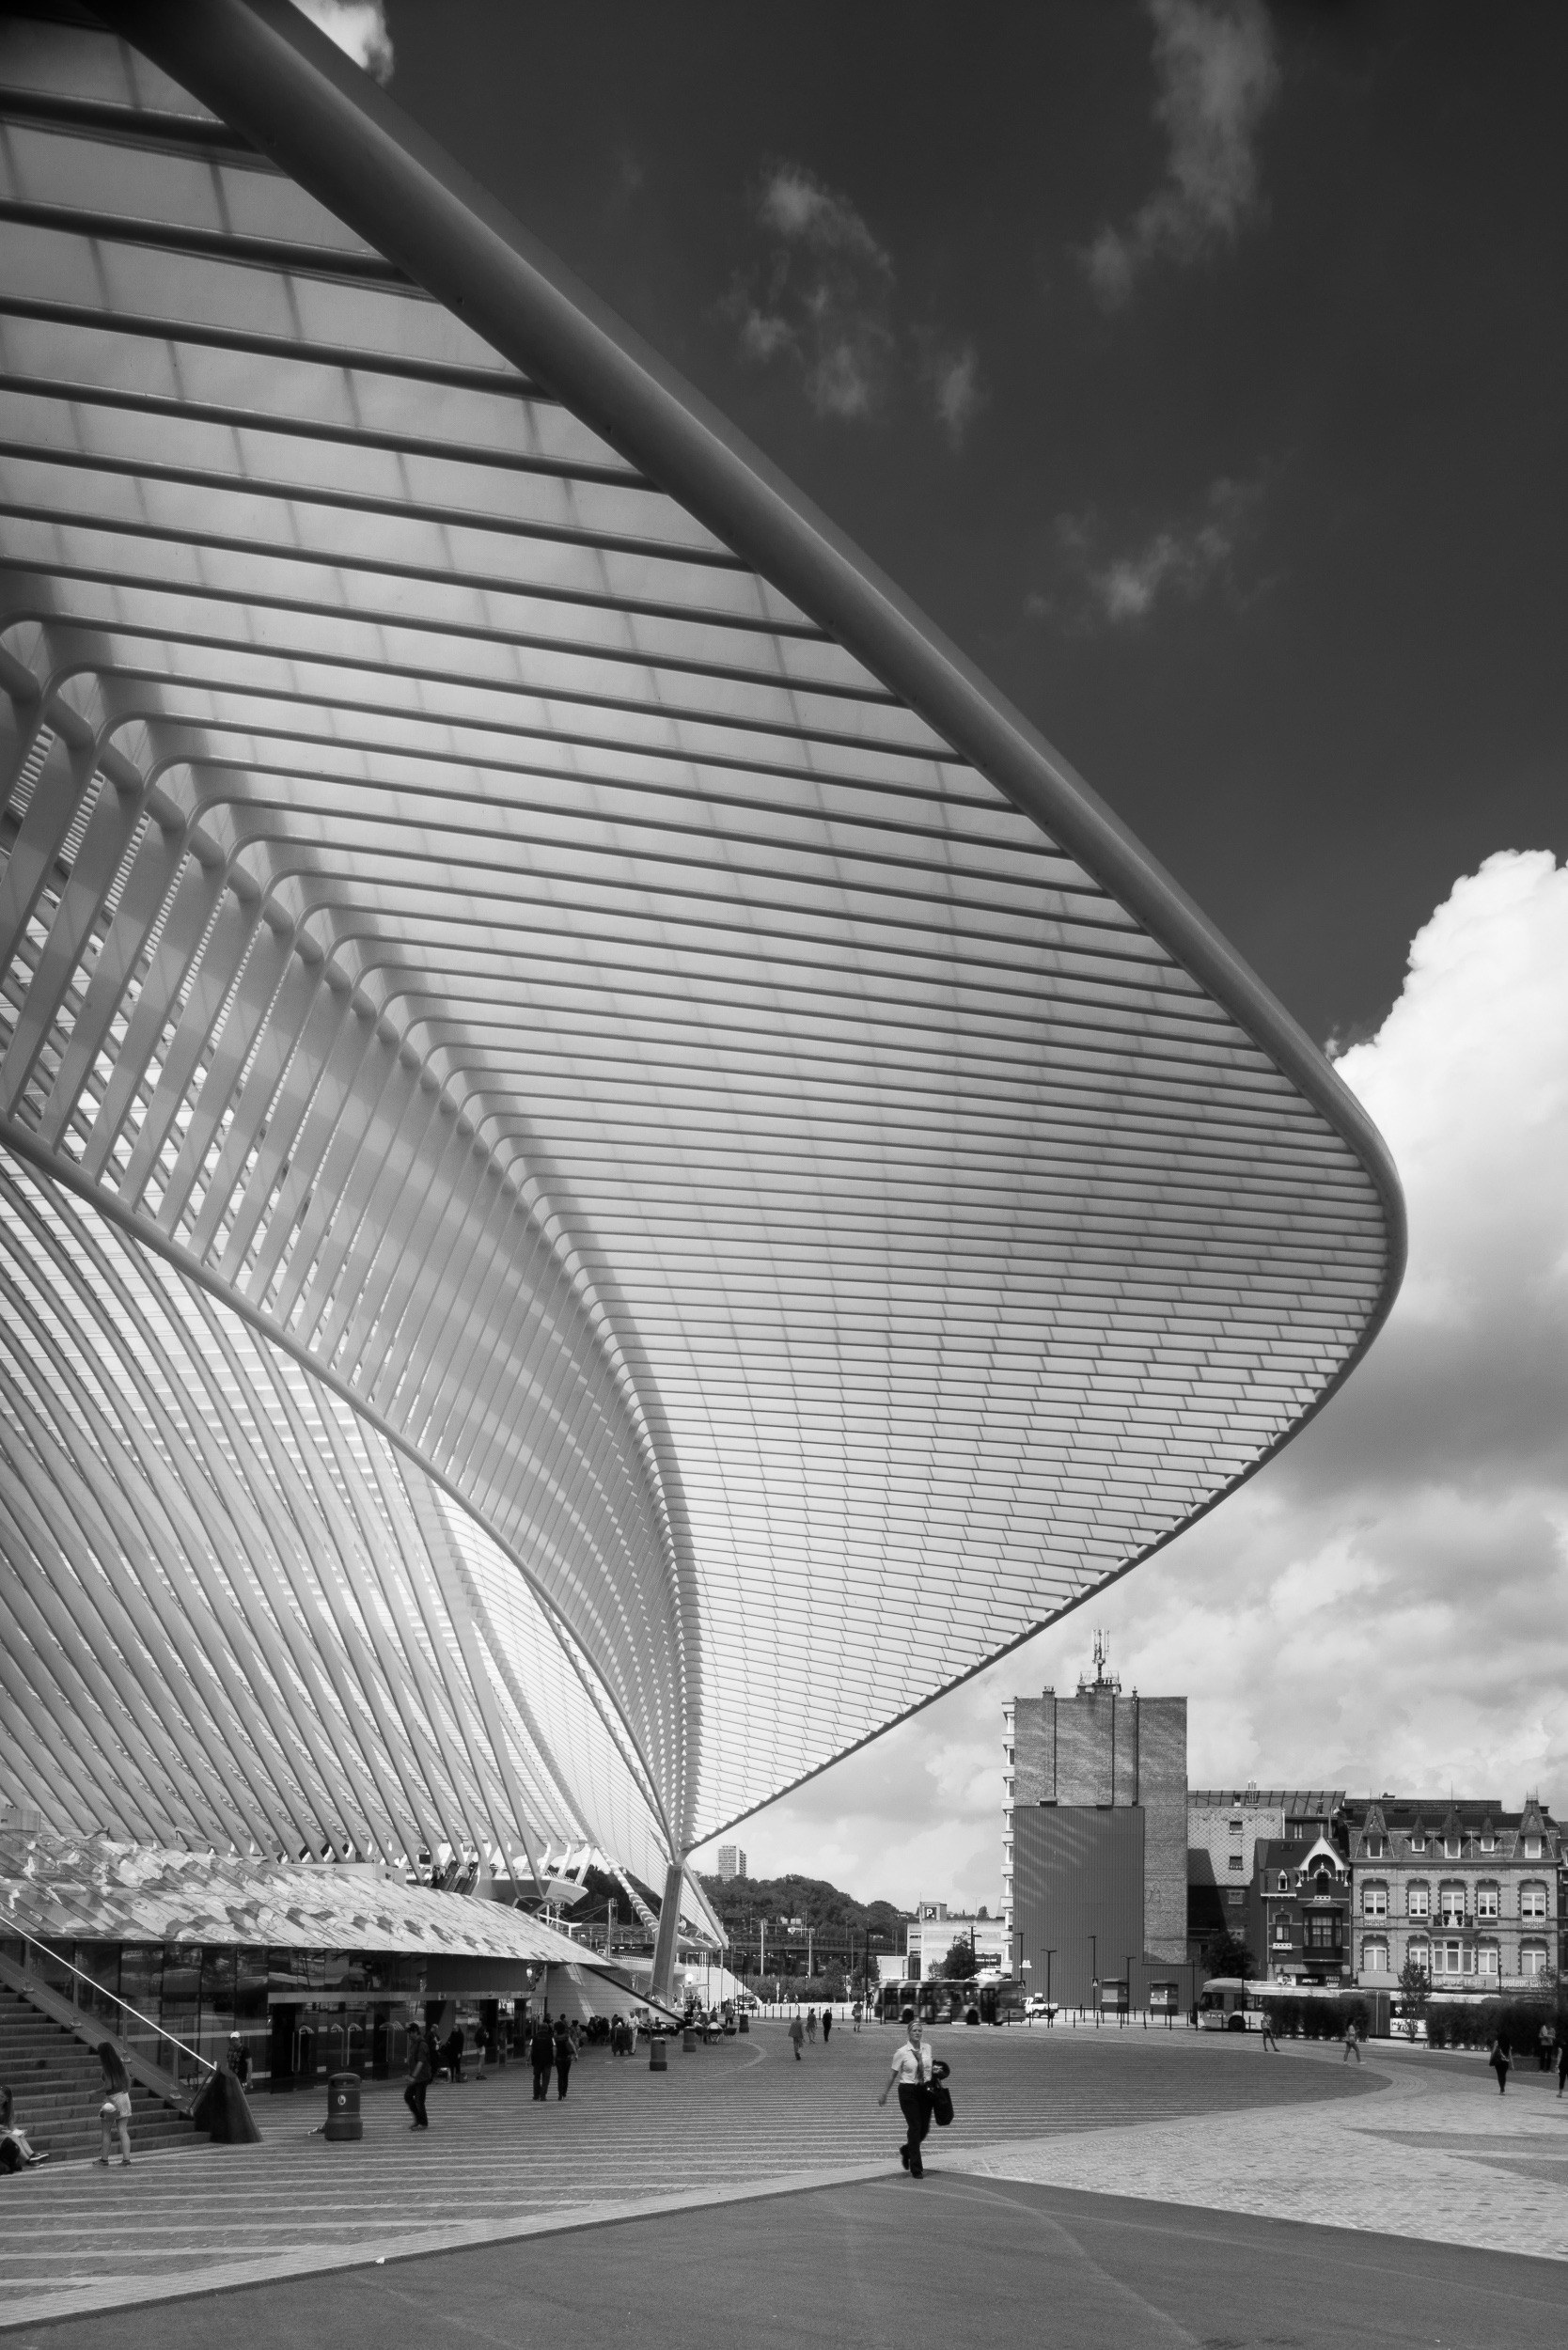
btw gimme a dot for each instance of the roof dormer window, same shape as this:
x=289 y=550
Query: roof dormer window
x=1418 y=1841
x=1450 y=1848
x=1533 y=1848
x=1375 y=1848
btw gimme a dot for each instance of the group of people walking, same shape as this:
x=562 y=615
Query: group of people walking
x=802 y=2030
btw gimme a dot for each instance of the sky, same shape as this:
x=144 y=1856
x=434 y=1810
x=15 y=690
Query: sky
x=1200 y=366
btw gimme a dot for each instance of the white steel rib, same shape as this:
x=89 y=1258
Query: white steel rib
x=609 y=1174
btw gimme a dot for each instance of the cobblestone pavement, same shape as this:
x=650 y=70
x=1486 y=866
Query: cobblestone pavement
x=1439 y=2156
x=737 y=2120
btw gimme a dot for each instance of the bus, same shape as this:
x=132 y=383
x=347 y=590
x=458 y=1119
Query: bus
x=1227 y=2005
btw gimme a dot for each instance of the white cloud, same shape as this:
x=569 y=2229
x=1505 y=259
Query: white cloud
x=1178 y=559
x=359 y=27
x=824 y=299
x=1217 y=74
x=1386 y=1605
x=953 y=379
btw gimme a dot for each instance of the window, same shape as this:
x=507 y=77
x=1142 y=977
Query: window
x=1488 y=1842
x=1323 y=1930
x=1450 y=1905
x=1375 y=1901
x=1419 y=1951
x=1486 y=1899
x=1486 y=1958
x=1419 y=1899
x=1451 y=1958
x=1532 y=1958
x=1450 y=1848
x=1236 y=1897
x=1235 y=1827
x=1375 y=1848
x=1234 y=1861
x=1418 y=1844
x=1533 y=1848
x=1374 y=1957
x=1532 y=1900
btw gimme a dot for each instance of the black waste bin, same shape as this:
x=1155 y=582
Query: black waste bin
x=343 y=2116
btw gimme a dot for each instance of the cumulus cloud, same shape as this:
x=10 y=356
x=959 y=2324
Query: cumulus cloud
x=359 y=27
x=1217 y=75
x=823 y=301
x=823 y=298
x=952 y=379
x=1385 y=1605
x=1097 y=587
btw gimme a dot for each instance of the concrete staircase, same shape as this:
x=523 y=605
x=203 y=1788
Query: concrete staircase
x=57 y=2086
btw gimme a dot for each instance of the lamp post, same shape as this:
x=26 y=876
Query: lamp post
x=1094 y=1974
x=1128 y=2003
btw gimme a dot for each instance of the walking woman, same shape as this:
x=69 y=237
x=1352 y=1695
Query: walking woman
x=1499 y=2060
x=115 y=2113
x=565 y=2052
x=910 y=2076
x=419 y=2075
x=827 y=2026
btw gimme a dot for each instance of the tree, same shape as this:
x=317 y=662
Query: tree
x=1416 y=1985
x=960 y=1964
x=1232 y=1957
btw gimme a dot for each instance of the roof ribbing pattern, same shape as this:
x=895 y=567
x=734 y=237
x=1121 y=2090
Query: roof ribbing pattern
x=609 y=1048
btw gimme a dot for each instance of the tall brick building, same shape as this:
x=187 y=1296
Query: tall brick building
x=1094 y=1839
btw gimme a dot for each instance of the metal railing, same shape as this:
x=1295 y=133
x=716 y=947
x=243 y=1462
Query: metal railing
x=10 y=1930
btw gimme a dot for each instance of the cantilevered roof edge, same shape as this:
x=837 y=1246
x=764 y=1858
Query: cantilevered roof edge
x=267 y=70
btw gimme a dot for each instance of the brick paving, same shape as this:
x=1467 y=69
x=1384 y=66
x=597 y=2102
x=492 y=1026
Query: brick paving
x=739 y=2119
x=1439 y=2156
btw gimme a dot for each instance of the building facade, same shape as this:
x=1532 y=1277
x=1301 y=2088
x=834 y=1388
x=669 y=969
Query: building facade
x=1227 y=1828
x=1094 y=1836
x=1465 y=1890
x=731 y=1863
x=1300 y=1926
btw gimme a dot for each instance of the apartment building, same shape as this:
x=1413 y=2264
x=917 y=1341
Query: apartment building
x=1466 y=1890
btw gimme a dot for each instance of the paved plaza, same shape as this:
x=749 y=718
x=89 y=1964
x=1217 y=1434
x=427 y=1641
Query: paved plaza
x=1093 y=2124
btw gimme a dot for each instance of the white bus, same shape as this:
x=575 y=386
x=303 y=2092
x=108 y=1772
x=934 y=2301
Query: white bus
x=1227 y=2005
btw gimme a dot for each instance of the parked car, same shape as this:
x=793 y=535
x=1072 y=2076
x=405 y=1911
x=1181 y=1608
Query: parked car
x=1040 y=2005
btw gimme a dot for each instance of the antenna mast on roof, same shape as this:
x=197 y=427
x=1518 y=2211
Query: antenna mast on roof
x=1103 y=1679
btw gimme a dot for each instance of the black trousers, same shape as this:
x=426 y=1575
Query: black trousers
x=563 y=2074
x=541 y=2082
x=414 y=2098
x=915 y=2104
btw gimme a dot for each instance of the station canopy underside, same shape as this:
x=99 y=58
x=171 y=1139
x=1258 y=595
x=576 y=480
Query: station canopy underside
x=594 y=1203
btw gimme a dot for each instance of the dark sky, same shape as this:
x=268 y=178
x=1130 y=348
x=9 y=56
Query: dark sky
x=1320 y=441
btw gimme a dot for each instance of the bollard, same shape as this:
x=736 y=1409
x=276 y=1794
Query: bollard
x=343 y=2120
x=657 y=2061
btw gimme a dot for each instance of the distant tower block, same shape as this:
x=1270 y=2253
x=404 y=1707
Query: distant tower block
x=731 y=1863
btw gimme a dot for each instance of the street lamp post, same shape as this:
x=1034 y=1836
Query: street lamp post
x=1094 y=1974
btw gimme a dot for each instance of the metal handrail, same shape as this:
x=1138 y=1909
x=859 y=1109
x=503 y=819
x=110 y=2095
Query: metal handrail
x=8 y=1926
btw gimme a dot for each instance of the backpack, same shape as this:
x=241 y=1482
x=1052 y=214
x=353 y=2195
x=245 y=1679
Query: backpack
x=941 y=2097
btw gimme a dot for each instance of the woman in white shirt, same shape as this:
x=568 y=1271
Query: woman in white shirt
x=910 y=2076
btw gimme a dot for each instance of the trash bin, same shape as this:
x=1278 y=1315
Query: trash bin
x=688 y=2038
x=746 y=2021
x=343 y=2116
x=657 y=2061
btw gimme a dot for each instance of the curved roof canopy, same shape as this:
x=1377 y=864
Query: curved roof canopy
x=612 y=1174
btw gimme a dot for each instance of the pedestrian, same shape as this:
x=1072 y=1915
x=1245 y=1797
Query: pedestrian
x=420 y=2072
x=855 y=2015
x=1499 y=2060
x=827 y=2026
x=238 y=2060
x=115 y=2113
x=910 y=2076
x=565 y=2052
x=17 y=2152
x=1269 y=2040
x=1561 y=2061
x=1545 y=2039
x=797 y=2034
x=453 y=2052
x=541 y=2056
x=1353 y=2043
